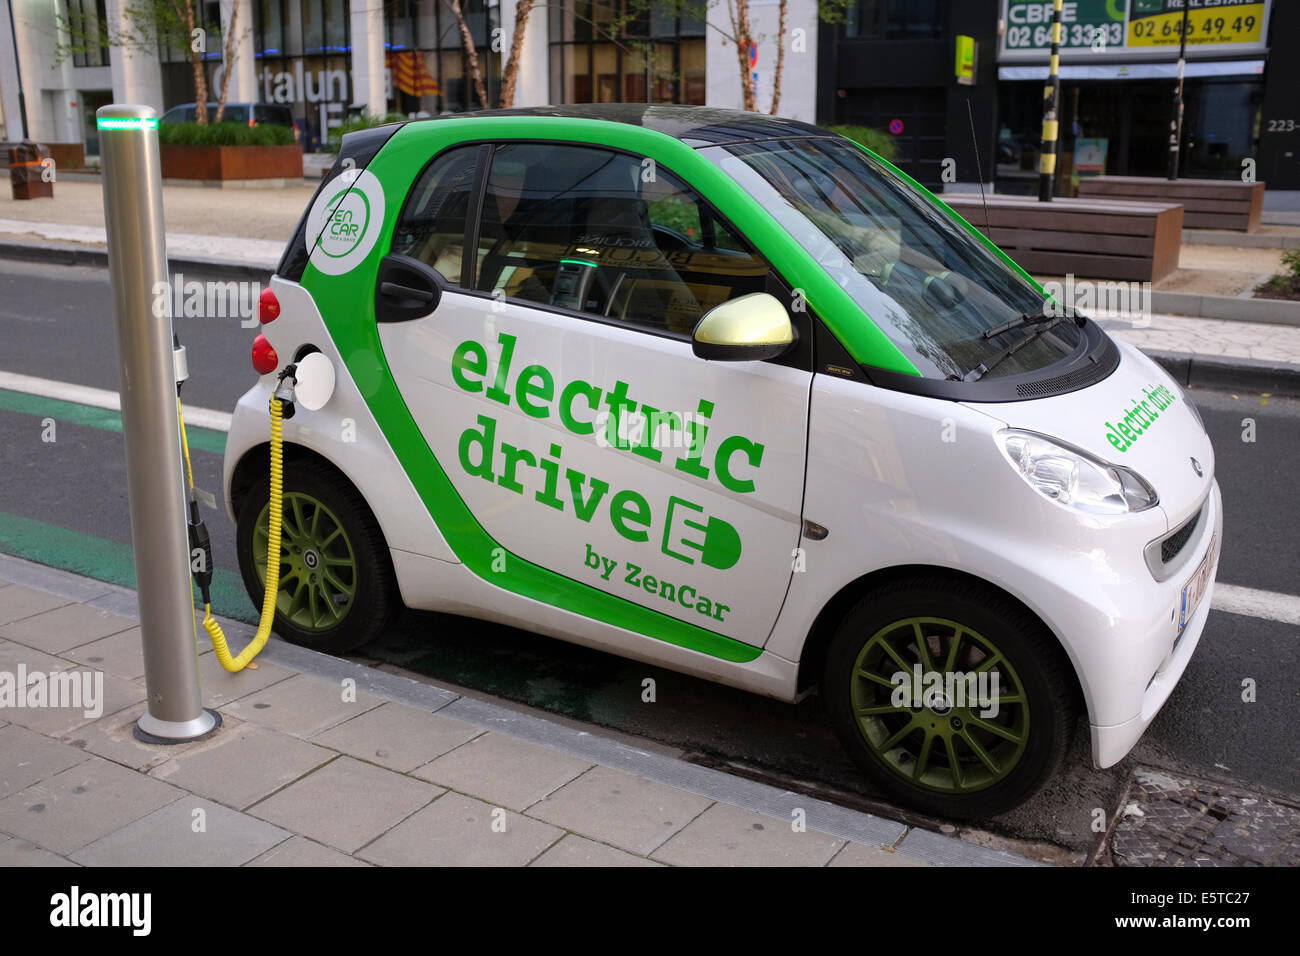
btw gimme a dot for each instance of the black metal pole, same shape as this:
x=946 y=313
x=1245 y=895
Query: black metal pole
x=1051 y=103
x=18 y=69
x=1176 y=124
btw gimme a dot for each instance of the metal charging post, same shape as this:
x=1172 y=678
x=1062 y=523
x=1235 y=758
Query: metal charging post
x=137 y=262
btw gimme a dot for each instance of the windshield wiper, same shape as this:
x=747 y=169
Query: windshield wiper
x=1042 y=327
x=1029 y=317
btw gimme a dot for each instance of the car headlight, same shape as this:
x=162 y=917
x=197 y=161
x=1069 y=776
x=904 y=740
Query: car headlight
x=1070 y=476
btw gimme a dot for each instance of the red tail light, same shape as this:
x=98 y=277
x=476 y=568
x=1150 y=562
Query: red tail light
x=268 y=307
x=264 y=358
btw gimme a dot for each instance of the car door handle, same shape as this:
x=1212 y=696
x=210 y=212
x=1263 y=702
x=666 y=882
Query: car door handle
x=397 y=291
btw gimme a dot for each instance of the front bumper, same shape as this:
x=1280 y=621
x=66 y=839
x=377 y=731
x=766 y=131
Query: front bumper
x=1160 y=651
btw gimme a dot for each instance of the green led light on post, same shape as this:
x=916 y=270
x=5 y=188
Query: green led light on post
x=144 y=122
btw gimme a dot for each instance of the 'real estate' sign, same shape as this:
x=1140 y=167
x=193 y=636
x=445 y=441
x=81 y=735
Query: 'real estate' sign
x=1108 y=28
x=1231 y=24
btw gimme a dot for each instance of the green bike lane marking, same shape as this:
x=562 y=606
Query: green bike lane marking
x=75 y=413
x=81 y=553
x=112 y=562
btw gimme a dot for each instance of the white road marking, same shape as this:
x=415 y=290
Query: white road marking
x=103 y=398
x=1270 y=605
x=1230 y=598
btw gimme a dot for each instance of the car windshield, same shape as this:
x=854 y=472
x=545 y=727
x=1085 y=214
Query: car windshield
x=930 y=285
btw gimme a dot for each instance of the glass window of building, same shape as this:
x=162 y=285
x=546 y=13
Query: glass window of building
x=303 y=62
x=625 y=51
x=88 y=25
x=893 y=19
x=428 y=65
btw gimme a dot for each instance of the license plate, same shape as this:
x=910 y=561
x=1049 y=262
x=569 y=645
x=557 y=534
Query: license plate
x=1194 y=589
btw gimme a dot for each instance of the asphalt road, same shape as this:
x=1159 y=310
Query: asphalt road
x=63 y=502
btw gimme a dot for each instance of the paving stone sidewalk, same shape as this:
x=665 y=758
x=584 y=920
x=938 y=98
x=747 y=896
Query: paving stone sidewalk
x=323 y=762
x=1207 y=337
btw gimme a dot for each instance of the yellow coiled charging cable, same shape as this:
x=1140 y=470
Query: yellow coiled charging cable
x=235 y=664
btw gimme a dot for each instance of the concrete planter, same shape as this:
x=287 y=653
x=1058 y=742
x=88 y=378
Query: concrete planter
x=233 y=165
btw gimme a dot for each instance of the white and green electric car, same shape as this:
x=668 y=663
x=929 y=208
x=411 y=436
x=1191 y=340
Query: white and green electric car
x=731 y=395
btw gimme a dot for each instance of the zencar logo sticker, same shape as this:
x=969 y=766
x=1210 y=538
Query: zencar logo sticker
x=345 y=221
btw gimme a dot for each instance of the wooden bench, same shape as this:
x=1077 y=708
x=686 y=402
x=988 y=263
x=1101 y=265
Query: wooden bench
x=1208 y=203
x=1096 y=238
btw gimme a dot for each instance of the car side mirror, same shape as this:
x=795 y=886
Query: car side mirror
x=749 y=328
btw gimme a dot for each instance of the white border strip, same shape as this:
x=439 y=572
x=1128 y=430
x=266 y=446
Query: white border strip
x=102 y=398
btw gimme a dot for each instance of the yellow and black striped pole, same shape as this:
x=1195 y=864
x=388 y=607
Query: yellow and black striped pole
x=1176 y=125
x=1051 y=102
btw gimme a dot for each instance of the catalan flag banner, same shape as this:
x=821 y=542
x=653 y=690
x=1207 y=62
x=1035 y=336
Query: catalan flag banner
x=411 y=74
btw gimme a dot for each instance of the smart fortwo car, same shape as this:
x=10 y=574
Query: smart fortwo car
x=731 y=395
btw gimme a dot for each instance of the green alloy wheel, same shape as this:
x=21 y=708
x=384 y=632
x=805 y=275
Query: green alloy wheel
x=318 y=567
x=336 y=582
x=953 y=699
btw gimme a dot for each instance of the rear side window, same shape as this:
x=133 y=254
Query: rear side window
x=233 y=114
x=432 y=225
x=603 y=233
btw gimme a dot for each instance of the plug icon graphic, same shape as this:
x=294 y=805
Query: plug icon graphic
x=709 y=539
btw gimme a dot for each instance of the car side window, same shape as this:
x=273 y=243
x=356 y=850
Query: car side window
x=432 y=225
x=599 y=232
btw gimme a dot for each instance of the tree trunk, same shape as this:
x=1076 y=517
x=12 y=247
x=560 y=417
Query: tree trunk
x=471 y=52
x=231 y=33
x=739 y=10
x=511 y=71
x=780 y=57
x=186 y=10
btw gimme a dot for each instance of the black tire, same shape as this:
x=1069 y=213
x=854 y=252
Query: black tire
x=1039 y=731
x=374 y=600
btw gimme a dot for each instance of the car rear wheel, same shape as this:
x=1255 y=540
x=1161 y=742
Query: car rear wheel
x=337 y=588
x=952 y=698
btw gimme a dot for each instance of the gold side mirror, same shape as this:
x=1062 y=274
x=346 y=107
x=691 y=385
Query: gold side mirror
x=745 y=329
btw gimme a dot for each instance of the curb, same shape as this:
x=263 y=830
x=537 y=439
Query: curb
x=1243 y=374
x=1226 y=307
x=855 y=825
x=98 y=256
x=1242 y=240
x=286 y=182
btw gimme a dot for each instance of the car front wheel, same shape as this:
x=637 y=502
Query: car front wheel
x=337 y=588
x=952 y=698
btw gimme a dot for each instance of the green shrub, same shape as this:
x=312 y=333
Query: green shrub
x=1286 y=284
x=880 y=143
x=331 y=145
x=1291 y=260
x=224 y=134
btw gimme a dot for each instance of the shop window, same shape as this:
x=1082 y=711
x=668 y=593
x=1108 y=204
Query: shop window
x=894 y=19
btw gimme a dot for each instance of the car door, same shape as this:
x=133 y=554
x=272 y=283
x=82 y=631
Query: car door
x=555 y=384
